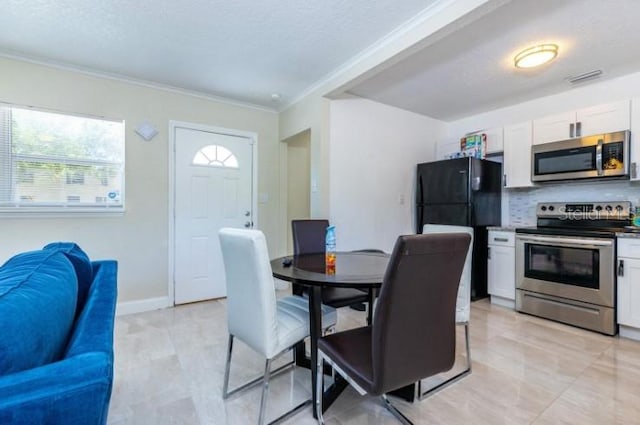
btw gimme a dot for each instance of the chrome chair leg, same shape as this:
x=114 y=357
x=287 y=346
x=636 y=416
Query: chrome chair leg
x=265 y=390
x=395 y=412
x=466 y=337
x=265 y=379
x=227 y=367
x=319 y=389
x=426 y=393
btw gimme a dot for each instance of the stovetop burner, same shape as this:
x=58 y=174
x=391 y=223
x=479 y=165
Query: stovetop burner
x=586 y=219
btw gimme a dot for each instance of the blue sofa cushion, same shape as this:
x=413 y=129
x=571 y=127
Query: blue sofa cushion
x=82 y=265
x=38 y=294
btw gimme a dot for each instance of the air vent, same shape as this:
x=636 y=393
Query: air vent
x=585 y=77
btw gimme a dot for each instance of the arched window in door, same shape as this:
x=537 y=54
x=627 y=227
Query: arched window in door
x=215 y=156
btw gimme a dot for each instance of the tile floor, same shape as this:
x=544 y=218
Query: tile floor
x=170 y=365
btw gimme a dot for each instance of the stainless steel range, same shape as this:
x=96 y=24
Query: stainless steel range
x=565 y=267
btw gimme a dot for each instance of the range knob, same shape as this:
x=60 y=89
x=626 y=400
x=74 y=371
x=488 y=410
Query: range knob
x=608 y=208
x=551 y=208
x=543 y=208
x=599 y=208
x=619 y=208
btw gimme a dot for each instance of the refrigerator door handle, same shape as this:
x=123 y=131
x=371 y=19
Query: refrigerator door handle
x=475 y=183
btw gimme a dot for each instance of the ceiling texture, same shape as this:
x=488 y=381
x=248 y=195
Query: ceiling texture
x=241 y=50
x=246 y=51
x=472 y=70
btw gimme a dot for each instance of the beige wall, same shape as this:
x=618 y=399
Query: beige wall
x=139 y=238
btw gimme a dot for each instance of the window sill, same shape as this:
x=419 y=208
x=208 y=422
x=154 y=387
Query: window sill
x=26 y=212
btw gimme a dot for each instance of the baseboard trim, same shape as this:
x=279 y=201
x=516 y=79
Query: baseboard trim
x=503 y=302
x=140 y=306
x=630 y=333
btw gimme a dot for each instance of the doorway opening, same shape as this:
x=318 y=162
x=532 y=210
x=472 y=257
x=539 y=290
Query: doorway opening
x=298 y=180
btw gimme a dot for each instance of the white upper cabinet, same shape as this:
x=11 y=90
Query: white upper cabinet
x=606 y=118
x=553 y=128
x=495 y=141
x=634 y=166
x=517 y=155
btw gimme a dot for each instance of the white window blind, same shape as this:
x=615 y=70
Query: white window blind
x=56 y=162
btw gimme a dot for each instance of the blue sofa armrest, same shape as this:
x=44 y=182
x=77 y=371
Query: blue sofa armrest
x=72 y=391
x=76 y=389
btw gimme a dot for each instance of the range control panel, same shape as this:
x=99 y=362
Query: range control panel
x=616 y=210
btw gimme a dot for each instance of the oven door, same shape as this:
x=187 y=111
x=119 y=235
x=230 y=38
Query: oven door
x=576 y=268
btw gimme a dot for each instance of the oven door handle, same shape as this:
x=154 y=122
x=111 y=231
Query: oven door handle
x=566 y=241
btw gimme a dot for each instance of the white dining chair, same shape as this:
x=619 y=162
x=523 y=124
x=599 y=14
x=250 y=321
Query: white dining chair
x=463 y=304
x=268 y=325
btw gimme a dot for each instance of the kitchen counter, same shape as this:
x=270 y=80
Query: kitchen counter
x=501 y=228
x=630 y=235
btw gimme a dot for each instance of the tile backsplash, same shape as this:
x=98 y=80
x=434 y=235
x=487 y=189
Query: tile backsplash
x=522 y=202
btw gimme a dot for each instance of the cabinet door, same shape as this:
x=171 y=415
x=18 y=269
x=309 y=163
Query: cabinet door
x=634 y=167
x=517 y=155
x=501 y=272
x=629 y=293
x=605 y=118
x=494 y=140
x=553 y=128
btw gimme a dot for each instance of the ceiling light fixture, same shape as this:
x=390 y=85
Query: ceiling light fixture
x=536 y=56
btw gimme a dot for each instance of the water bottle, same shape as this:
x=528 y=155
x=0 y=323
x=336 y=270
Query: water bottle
x=330 y=250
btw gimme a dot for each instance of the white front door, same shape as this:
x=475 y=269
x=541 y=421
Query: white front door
x=213 y=189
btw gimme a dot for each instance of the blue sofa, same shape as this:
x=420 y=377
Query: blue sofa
x=56 y=351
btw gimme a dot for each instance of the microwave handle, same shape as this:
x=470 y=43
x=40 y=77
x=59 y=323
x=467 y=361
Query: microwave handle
x=599 y=157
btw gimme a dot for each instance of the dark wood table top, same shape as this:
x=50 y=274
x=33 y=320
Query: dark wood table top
x=353 y=270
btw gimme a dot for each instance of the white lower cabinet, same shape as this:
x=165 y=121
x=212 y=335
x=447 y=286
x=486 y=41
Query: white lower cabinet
x=628 y=271
x=501 y=268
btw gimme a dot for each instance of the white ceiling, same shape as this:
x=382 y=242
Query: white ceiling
x=248 y=50
x=472 y=70
x=242 y=50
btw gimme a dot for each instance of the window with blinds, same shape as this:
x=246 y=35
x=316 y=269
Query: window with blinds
x=54 y=162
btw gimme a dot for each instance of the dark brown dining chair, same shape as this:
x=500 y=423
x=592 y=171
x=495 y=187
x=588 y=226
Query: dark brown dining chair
x=413 y=333
x=309 y=238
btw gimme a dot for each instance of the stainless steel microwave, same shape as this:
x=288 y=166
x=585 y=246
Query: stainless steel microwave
x=591 y=157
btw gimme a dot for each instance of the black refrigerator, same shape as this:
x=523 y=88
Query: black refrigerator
x=463 y=192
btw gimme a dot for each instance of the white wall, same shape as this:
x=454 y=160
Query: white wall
x=139 y=238
x=374 y=149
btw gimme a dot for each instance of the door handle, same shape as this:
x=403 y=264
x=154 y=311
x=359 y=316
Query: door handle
x=571 y=129
x=599 y=156
x=248 y=224
x=578 y=129
x=621 y=268
x=489 y=253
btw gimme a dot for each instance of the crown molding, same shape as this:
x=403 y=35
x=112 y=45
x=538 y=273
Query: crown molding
x=134 y=81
